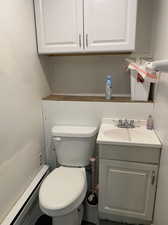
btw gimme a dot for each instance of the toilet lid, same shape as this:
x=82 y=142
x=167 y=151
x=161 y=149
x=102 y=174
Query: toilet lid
x=62 y=190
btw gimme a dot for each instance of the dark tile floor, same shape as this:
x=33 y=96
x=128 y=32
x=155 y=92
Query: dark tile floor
x=102 y=223
x=87 y=223
x=48 y=221
x=44 y=220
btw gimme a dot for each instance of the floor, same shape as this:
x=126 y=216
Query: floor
x=86 y=223
x=104 y=223
x=44 y=220
x=48 y=221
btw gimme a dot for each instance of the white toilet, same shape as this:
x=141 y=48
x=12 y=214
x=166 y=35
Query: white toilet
x=64 y=189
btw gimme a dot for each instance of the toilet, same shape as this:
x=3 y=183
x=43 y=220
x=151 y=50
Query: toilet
x=63 y=190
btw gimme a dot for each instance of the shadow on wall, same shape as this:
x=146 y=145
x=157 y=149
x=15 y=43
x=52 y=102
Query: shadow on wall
x=86 y=74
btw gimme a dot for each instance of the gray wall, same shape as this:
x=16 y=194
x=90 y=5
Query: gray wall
x=22 y=85
x=160 y=51
x=86 y=74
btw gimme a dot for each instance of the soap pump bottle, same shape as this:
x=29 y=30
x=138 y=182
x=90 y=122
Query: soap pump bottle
x=149 y=123
x=108 y=88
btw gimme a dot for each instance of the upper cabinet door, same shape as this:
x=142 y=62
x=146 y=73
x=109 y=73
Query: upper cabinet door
x=59 y=25
x=110 y=25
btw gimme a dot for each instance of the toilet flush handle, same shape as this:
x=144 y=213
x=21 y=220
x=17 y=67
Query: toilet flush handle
x=56 y=141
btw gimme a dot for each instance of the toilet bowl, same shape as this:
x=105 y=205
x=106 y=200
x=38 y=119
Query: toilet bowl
x=62 y=193
x=64 y=189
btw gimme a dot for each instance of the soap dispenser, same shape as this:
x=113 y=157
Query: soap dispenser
x=149 y=123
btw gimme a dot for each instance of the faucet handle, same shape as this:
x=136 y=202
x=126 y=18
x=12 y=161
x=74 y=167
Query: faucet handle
x=126 y=123
x=120 y=123
x=132 y=123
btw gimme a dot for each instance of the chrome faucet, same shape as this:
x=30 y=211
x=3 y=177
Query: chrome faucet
x=126 y=123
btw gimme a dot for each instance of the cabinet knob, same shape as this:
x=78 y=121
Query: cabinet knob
x=153 y=177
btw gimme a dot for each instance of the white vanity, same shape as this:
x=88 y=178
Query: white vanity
x=128 y=168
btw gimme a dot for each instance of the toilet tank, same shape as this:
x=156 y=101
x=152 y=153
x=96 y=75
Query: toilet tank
x=74 y=145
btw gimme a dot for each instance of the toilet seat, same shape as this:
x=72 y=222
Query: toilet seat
x=62 y=191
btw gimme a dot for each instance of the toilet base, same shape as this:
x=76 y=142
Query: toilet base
x=73 y=218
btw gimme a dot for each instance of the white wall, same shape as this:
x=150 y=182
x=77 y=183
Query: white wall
x=86 y=74
x=87 y=114
x=144 y=27
x=160 y=51
x=22 y=84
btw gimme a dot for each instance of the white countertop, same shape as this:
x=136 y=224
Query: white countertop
x=109 y=133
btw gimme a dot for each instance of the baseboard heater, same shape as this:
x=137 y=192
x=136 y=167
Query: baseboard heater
x=22 y=206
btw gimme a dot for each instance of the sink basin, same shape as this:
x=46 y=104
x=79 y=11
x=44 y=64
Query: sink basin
x=143 y=136
x=116 y=134
x=110 y=132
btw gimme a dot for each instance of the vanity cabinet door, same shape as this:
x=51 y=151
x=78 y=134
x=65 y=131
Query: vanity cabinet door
x=127 y=189
x=59 y=25
x=110 y=25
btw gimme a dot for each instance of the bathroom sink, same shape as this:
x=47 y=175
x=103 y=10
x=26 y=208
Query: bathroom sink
x=143 y=136
x=116 y=134
x=109 y=133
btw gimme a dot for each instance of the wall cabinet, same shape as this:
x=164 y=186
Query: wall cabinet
x=82 y=26
x=59 y=25
x=127 y=189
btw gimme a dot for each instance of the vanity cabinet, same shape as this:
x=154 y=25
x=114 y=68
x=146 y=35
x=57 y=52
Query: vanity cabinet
x=127 y=182
x=83 y=26
x=127 y=189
